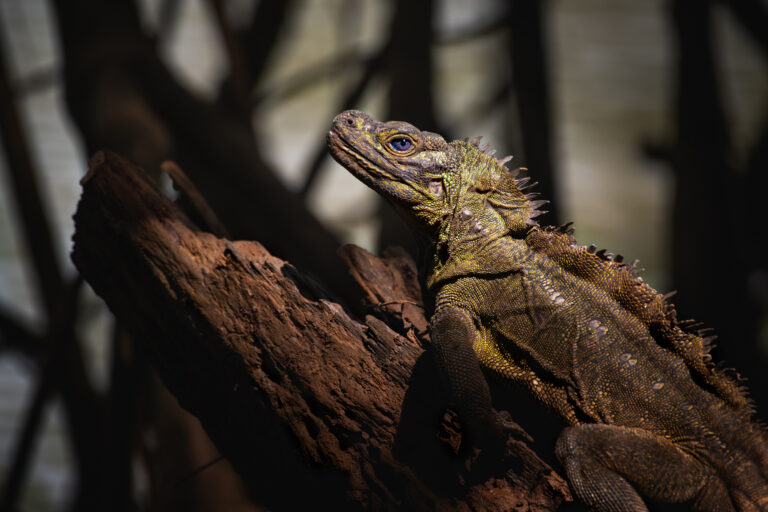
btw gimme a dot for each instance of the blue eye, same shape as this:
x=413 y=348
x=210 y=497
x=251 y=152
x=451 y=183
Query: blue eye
x=401 y=144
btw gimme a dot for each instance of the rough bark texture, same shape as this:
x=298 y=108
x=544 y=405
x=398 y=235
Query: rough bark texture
x=310 y=405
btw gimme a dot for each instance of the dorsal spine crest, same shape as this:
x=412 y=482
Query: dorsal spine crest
x=620 y=281
x=507 y=194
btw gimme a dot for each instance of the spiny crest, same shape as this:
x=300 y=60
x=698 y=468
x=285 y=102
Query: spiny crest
x=507 y=192
x=621 y=281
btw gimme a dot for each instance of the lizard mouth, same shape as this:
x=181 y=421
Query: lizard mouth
x=353 y=160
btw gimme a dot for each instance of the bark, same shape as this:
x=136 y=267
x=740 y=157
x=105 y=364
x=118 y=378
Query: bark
x=308 y=404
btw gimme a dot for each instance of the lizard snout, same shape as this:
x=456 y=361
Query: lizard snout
x=350 y=119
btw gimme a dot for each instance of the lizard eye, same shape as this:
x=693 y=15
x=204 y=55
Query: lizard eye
x=400 y=144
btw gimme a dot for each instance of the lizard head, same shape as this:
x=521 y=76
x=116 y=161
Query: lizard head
x=408 y=167
x=429 y=178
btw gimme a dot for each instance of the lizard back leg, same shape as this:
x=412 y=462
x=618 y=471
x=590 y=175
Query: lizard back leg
x=607 y=465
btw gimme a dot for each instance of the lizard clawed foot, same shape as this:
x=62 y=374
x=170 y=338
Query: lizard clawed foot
x=488 y=445
x=512 y=428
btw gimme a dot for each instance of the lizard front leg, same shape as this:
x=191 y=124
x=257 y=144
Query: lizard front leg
x=605 y=464
x=453 y=334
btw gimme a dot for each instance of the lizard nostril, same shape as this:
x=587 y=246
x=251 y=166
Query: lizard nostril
x=349 y=121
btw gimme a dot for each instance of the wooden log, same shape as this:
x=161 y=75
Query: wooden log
x=308 y=403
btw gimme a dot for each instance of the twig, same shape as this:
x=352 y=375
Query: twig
x=37 y=234
x=63 y=350
x=199 y=470
x=13 y=335
x=238 y=80
x=352 y=98
x=753 y=17
x=530 y=79
x=37 y=80
x=261 y=36
x=23 y=177
x=248 y=55
x=168 y=15
x=484 y=28
x=309 y=77
x=60 y=340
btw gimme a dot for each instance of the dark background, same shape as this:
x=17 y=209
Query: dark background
x=646 y=123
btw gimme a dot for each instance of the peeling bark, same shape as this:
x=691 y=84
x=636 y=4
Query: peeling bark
x=309 y=404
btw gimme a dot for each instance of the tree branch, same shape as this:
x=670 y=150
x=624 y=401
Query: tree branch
x=122 y=97
x=307 y=403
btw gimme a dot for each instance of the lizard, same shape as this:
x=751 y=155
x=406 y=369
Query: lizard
x=646 y=411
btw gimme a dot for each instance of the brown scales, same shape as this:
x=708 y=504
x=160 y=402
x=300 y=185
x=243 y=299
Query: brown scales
x=621 y=280
x=623 y=284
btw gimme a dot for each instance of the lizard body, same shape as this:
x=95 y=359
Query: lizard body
x=647 y=412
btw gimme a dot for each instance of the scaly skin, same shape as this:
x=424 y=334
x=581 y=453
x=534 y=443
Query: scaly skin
x=647 y=412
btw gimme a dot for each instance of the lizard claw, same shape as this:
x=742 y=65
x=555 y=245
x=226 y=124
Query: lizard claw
x=511 y=427
x=491 y=448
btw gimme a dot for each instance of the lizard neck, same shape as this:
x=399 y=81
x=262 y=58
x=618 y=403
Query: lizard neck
x=474 y=241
